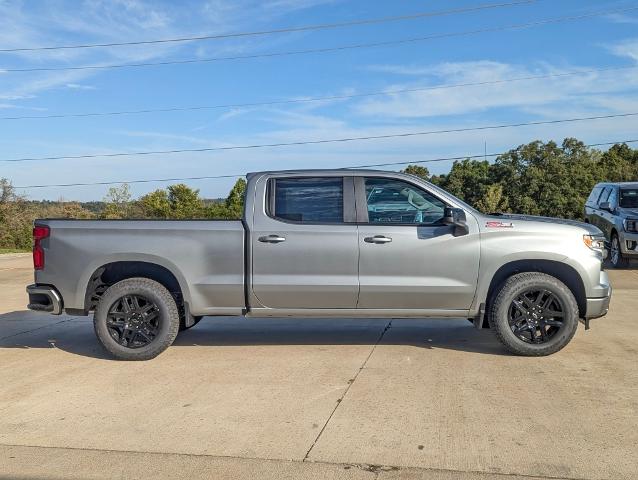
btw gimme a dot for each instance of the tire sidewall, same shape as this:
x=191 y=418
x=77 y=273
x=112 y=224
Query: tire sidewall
x=511 y=290
x=154 y=292
x=619 y=263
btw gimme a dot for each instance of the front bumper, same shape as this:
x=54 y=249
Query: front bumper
x=629 y=244
x=599 y=306
x=44 y=298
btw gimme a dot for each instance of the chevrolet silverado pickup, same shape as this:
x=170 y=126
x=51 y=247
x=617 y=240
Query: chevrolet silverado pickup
x=325 y=243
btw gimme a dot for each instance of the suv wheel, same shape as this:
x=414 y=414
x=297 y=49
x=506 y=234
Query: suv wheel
x=534 y=314
x=615 y=255
x=136 y=319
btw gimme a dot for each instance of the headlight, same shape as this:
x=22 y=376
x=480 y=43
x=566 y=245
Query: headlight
x=631 y=225
x=594 y=242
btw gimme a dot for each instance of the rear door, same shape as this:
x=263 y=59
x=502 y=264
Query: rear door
x=407 y=259
x=305 y=245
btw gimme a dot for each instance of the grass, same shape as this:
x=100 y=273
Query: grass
x=13 y=250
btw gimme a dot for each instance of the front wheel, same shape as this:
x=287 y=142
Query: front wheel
x=534 y=314
x=616 y=257
x=136 y=319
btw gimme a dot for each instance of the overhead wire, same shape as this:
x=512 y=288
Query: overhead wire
x=304 y=28
x=322 y=141
x=215 y=177
x=547 y=21
x=321 y=99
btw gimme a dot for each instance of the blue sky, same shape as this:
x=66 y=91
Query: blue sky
x=605 y=41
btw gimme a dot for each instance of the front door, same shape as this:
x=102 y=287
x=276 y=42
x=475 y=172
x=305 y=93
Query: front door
x=408 y=259
x=304 y=251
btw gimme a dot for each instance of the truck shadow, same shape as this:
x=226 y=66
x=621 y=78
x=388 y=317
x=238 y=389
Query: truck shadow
x=29 y=330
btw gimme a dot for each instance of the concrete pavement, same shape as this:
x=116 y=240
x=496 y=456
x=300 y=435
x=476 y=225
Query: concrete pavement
x=316 y=398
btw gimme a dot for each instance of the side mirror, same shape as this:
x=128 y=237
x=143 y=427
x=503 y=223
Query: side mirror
x=605 y=206
x=455 y=217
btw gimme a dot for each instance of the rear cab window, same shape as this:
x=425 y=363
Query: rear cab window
x=307 y=200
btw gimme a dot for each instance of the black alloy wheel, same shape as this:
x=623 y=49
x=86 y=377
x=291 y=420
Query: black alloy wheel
x=136 y=319
x=533 y=314
x=536 y=315
x=133 y=321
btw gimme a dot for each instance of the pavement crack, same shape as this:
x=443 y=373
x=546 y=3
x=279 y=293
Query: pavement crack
x=345 y=392
x=49 y=325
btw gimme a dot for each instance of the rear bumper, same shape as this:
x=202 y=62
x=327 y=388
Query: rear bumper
x=44 y=298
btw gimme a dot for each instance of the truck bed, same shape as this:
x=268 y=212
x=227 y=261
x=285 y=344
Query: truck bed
x=206 y=257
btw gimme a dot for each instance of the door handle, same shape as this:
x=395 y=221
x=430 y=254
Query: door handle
x=377 y=239
x=272 y=239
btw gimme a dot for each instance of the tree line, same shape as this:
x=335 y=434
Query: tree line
x=536 y=178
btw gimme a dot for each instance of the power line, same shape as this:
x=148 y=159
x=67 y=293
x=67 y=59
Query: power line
x=325 y=26
x=326 y=49
x=318 y=142
x=318 y=99
x=215 y=177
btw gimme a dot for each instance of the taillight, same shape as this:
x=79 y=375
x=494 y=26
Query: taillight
x=40 y=232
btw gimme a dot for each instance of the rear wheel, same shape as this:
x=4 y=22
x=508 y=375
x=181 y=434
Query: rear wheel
x=615 y=255
x=534 y=314
x=136 y=319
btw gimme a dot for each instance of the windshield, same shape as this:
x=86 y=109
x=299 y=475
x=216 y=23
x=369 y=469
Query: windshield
x=628 y=198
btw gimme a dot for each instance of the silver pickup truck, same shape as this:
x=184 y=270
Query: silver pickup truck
x=325 y=243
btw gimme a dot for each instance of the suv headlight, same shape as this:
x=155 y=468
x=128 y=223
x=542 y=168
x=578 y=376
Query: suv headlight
x=631 y=225
x=595 y=242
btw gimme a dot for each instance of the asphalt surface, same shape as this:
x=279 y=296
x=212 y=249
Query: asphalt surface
x=316 y=398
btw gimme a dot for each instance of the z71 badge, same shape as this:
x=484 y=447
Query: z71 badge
x=499 y=225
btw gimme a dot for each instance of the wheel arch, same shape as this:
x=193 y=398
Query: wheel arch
x=560 y=270
x=112 y=272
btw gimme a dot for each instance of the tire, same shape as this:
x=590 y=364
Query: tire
x=615 y=255
x=182 y=323
x=136 y=319
x=536 y=333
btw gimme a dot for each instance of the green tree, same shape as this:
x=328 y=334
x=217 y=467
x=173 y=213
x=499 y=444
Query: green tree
x=118 y=202
x=235 y=200
x=493 y=200
x=155 y=204
x=233 y=206
x=176 y=201
x=184 y=202
x=468 y=180
x=16 y=218
x=417 y=171
x=619 y=164
x=547 y=179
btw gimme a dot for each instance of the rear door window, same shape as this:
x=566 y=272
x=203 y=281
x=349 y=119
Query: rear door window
x=307 y=200
x=593 y=196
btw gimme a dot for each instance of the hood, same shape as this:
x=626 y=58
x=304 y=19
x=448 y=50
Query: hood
x=591 y=229
x=628 y=212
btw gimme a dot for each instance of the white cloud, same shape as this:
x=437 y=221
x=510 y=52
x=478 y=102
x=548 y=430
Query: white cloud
x=627 y=48
x=79 y=86
x=622 y=18
x=589 y=91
